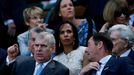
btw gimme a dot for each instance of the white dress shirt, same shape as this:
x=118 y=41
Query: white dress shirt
x=103 y=62
x=37 y=65
x=125 y=54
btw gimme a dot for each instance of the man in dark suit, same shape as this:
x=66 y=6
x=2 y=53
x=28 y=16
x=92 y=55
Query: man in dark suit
x=103 y=63
x=3 y=55
x=123 y=39
x=13 y=52
x=43 y=48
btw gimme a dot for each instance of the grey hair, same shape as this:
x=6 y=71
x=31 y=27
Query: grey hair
x=125 y=32
x=36 y=30
x=46 y=35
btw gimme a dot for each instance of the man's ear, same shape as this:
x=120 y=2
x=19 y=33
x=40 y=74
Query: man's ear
x=53 y=48
x=100 y=44
x=126 y=43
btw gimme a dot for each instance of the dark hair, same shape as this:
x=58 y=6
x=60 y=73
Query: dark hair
x=124 y=10
x=104 y=37
x=55 y=20
x=59 y=46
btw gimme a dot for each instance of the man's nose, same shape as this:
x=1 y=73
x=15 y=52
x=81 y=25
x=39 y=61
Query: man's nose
x=39 y=47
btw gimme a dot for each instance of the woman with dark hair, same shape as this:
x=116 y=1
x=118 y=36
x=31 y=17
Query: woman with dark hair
x=64 y=11
x=68 y=51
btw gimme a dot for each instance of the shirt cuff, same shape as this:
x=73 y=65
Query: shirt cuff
x=9 y=61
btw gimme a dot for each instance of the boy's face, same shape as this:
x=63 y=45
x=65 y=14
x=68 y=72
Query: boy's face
x=35 y=20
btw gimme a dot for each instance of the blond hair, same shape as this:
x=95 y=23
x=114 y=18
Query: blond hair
x=111 y=7
x=30 y=11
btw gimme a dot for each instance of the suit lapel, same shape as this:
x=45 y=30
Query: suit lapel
x=31 y=67
x=108 y=65
x=49 y=69
x=131 y=54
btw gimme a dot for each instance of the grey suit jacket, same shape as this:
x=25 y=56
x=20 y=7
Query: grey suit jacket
x=52 y=68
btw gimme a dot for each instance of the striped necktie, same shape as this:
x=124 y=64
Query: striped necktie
x=39 y=70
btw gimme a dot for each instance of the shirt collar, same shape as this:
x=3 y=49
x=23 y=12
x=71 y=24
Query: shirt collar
x=105 y=59
x=44 y=64
x=125 y=54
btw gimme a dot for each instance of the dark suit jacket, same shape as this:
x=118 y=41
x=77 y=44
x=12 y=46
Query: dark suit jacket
x=115 y=67
x=7 y=69
x=27 y=66
x=52 y=68
x=131 y=54
x=3 y=55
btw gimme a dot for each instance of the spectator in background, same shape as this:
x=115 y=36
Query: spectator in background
x=131 y=8
x=64 y=11
x=68 y=51
x=115 y=12
x=11 y=21
x=33 y=17
x=123 y=39
x=94 y=10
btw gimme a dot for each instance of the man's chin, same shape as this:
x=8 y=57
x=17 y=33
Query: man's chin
x=40 y=60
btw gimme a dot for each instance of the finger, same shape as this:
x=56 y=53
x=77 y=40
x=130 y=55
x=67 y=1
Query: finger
x=15 y=45
x=95 y=68
x=12 y=49
x=16 y=48
x=43 y=26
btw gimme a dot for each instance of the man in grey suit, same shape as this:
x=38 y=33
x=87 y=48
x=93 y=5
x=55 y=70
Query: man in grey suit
x=43 y=48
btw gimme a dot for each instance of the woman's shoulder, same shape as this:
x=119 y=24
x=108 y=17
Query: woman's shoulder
x=81 y=20
x=81 y=48
x=23 y=35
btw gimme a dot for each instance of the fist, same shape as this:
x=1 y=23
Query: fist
x=13 y=51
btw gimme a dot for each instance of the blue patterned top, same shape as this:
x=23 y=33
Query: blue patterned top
x=83 y=32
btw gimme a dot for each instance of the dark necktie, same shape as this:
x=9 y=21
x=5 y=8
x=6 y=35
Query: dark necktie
x=94 y=71
x=133 y=24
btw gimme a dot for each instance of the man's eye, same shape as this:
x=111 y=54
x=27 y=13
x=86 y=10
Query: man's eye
x=37 y=45
x=43 y=45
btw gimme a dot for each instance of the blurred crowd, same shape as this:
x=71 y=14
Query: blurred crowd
x=67 y=37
